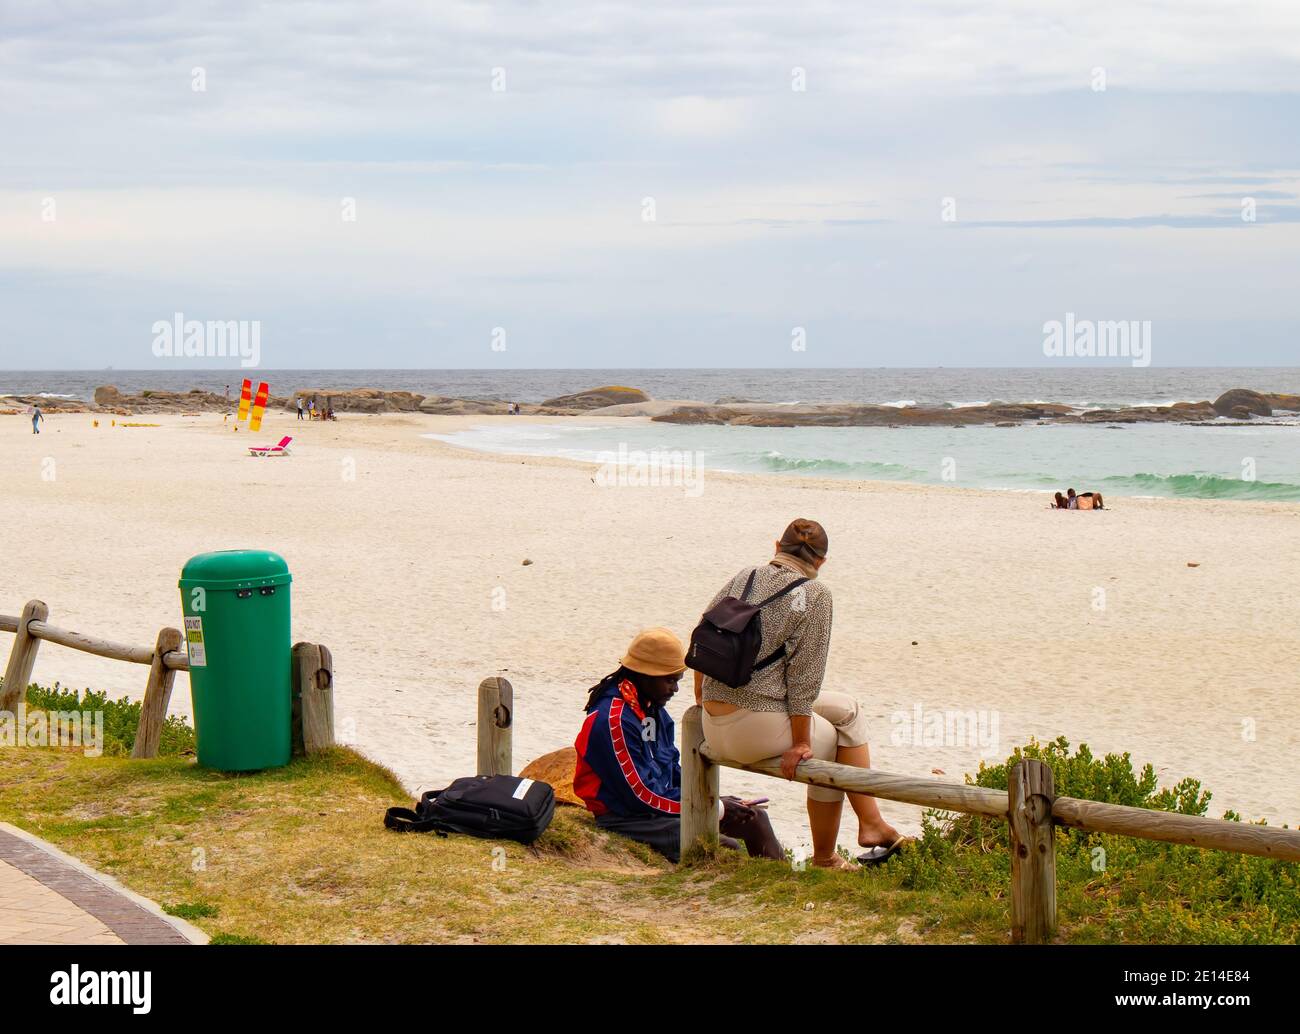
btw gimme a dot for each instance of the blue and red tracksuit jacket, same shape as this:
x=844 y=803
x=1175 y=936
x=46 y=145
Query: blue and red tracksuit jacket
x=627 y=765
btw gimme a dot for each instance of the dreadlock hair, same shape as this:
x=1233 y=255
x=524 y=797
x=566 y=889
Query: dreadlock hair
x=613 y=678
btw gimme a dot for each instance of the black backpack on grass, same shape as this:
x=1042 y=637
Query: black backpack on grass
x=492 y=807
x=725 y=644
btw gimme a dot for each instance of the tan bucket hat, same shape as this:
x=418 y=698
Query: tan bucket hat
x=655 y=651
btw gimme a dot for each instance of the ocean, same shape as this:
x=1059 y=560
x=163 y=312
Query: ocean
x=1099 y=387
x=1260 y=462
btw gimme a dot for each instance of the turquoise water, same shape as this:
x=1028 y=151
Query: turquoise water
x=1260 y=462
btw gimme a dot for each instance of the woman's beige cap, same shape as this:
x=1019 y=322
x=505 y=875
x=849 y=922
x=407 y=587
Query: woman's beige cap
x=655 y=651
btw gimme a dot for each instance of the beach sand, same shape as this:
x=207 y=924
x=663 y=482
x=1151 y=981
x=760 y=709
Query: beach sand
x=411 y=571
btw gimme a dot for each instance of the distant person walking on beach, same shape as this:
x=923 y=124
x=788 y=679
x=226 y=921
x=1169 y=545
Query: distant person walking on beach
x=37 y=417
x=299 y=407
x=311 y=409
x=782 y=709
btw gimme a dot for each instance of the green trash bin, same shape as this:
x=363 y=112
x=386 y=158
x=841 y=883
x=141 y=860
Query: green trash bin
x=236 y=607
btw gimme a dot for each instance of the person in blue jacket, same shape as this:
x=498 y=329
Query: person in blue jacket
x=629 y=770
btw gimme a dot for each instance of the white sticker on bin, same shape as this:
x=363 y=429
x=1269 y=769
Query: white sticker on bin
x=194 y=641
x=521 y=789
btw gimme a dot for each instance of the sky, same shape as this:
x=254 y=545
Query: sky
x=554 y=184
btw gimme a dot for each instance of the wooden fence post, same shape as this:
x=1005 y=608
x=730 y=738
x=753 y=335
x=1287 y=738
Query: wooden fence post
x=1030 y=793
x=157 y=695
x=22 y=657
x=313 y=698
x=699 y=786
x=496 y=715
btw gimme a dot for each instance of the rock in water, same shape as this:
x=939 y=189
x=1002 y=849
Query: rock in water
x=357 y=400
x=108 y=396
x=1252 y=401
x=556 y=769
x=442 y=405
x=597 y=398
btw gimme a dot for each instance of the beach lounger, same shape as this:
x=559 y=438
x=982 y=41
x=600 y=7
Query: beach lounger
x=271 y=450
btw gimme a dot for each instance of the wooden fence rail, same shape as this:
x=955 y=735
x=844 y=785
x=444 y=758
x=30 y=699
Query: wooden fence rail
x=313 y=677
x=1030 y=807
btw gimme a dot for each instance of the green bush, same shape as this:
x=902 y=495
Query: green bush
x=121 y=719
x=1115 y=887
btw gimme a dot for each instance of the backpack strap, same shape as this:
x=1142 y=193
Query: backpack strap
x=781 y=592
x=771 y=658
x=404 y=820
x=749 y=584
x=779 y=652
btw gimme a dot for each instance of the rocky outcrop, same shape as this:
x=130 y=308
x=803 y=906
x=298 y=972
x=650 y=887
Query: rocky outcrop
x=1251 y=402
x=1238 y=404
x=15 y=404
x=840 y=414
x=596 y=398
x=357 y=400
x=1179 y=412
x=556 y=769
x=1286 y=403
x=196 y=400
x=442 y=405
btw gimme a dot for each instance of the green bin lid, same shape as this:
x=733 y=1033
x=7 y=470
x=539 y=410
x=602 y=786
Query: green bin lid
x=235 y=569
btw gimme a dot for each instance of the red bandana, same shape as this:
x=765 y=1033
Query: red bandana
x=628 y=693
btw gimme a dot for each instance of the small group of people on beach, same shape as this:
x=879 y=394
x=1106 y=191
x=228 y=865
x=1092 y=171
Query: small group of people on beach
x=628 y=768
x=1073 y=501
x=313 y=411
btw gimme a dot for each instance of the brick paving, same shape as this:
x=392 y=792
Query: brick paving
x=46 y=899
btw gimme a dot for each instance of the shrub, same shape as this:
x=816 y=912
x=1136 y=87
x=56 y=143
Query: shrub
x=1123 y=888
x=121 y=719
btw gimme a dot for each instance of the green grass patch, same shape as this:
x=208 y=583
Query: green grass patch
x=299 y=854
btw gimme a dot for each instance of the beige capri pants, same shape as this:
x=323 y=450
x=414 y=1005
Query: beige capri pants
x=748 y=736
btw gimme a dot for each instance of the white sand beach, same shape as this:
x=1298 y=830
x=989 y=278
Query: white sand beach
x=1087 y=625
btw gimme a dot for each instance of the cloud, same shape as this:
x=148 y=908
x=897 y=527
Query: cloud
x=479 y=206
x=701 y=116
x=1205 y=221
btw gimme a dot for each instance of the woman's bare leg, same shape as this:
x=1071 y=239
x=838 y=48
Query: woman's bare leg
x=824 y=821
x=873 y=830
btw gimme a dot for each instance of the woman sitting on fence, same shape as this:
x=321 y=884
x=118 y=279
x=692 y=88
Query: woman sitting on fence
x=782 y=709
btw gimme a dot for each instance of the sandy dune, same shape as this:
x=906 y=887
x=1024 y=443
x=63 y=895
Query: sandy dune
x=407 y=557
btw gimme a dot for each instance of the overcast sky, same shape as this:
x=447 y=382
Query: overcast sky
x=676 y=183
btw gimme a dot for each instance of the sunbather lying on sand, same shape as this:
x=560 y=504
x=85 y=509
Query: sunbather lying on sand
x=1085 y=501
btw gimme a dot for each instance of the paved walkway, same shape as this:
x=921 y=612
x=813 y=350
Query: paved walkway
x=48 y=897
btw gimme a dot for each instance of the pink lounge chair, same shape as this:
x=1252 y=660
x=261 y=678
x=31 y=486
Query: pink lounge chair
x=271 y=450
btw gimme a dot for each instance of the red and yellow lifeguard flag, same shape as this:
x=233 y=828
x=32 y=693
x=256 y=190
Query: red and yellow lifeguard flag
x=259 y=407
x=244 y=395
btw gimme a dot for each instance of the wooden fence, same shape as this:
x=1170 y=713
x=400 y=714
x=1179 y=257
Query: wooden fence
x=1030 y=807
x=313 y=677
